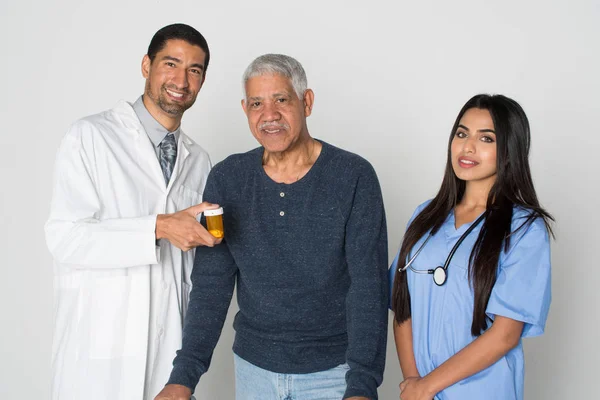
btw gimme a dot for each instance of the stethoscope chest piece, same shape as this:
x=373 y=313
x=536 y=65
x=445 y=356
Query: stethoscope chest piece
x=439 y=276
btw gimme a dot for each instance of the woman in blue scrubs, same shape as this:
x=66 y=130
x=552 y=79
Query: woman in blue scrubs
x=458 y=329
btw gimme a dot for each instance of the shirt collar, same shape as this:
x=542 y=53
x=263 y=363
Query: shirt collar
x=155 y=131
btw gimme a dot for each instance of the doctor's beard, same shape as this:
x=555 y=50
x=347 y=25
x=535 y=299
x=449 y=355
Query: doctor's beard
x=174 y=109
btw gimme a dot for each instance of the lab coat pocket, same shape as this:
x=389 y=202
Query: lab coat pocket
x=187 y=197
x=109 y=307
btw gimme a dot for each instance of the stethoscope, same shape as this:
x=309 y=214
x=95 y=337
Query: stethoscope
x=440 y=274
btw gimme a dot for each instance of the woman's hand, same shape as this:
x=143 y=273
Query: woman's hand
x=415 y=388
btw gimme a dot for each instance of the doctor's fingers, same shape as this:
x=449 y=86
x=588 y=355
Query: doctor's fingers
x=190 y=242
x=196 y=210
x=181 y=244
x=185 y=235
x=204 y=238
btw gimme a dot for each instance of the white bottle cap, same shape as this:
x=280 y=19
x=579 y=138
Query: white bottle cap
x=212 y=213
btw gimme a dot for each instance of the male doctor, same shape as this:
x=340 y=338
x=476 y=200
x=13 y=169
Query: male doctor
x=128 y=184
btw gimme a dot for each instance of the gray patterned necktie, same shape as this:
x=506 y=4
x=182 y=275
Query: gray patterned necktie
x=168 y=154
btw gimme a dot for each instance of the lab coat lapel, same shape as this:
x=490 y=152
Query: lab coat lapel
x=145 y=149
x=148 y=157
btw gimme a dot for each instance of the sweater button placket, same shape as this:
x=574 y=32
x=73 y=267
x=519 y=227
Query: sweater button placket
x=282 y=195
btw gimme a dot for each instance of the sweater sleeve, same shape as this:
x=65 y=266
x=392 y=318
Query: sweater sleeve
x=367 y=299
x=213 y=280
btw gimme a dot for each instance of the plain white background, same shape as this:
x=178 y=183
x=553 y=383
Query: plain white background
x=389 y=78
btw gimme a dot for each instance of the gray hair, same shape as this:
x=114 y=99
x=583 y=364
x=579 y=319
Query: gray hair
x=278 y=64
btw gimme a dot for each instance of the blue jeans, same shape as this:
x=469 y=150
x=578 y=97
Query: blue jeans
x=254 y=383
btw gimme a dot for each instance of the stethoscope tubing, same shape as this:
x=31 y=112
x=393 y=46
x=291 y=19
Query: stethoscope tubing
x=449 y=258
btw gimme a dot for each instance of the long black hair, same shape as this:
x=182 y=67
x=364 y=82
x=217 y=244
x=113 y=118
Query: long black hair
x=513 y=187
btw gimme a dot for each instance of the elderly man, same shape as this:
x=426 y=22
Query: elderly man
x=305 y=238
x=126 y=193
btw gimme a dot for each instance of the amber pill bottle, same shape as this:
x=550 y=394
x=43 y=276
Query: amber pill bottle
x=214 y=222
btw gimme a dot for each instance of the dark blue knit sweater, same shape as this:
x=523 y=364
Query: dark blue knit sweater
x=310 y=261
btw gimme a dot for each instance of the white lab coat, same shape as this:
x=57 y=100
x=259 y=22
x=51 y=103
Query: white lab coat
x=119 y=298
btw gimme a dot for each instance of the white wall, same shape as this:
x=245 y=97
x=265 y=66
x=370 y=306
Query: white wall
x=389 y=79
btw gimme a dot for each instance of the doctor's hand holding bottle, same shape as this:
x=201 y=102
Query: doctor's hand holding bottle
x=183 y=230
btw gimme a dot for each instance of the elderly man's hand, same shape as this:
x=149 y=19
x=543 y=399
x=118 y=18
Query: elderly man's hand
x=174 y=392
x=183 y=230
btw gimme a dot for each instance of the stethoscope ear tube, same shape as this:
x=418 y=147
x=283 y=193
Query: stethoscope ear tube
x=460 y=240
x=408 y=264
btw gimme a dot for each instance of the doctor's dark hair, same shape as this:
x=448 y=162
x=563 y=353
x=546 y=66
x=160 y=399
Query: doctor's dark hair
x=178 y=32
x=513 y=187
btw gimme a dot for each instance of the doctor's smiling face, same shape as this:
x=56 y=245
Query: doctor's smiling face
x=173 y=79
x=473 y=147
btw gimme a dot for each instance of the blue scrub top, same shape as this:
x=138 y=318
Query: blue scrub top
x=442 y=315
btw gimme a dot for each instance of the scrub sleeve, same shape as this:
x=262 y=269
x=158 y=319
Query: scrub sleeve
x=522 y=291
